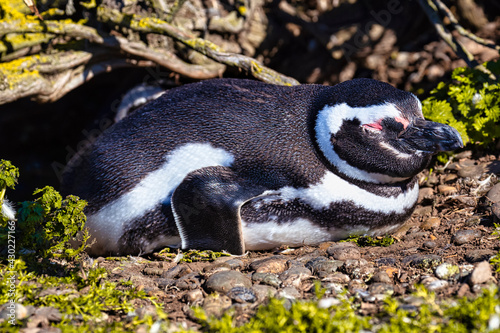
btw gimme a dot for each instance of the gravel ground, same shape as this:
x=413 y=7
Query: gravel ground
x=446 y=246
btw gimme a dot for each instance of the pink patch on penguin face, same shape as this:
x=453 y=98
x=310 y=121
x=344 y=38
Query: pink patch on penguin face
x=376 y=125
x=403 y=121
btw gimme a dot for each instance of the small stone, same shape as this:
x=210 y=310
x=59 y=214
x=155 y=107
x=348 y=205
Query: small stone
x=224 y=281
x=356 y=285
x=465 y=236
x=381 y=277
x=215 y=305
x=328 y=302
x=447 y=271
x=274 y=264
x=431 y=223
x=472 y=171
x=479 y=255
x=188 y=282
x=16 y=311
x=422 y=261
x=432 y=180
x=263 y=292
x=433 y=284
x=422 y=211
x=494 y=193
x=481 y=273
x=216 y=267
x=447 y=189
x=426 y=193
x=469 y=201
x=451 y=177
x=294 y=276
x=242 y=295
x=495 y=209
x=322 y=267
x=338 y=278
x=334 y=287
x=176 y=272
x=380 y=288
x=267 y=278
x=344 y=251
x=429 y=244
x=193 y=296
x=235 y=263
x=289 y=293
x=385 y=261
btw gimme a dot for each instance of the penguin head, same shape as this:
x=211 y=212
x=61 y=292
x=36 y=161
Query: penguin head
x=371 y=131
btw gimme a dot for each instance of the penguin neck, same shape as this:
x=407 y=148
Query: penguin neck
x=327 y=121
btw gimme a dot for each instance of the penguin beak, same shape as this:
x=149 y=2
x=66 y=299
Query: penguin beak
x=432 y=137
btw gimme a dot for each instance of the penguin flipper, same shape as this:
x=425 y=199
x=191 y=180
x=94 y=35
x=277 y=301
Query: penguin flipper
x=206 y=207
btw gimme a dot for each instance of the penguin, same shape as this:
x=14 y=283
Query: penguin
x=235 y=165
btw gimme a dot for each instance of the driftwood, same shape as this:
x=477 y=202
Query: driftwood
x=46 y=52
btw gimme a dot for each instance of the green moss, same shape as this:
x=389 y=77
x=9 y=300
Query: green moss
x=470 y=102
x=370 y=241
x=84 y=299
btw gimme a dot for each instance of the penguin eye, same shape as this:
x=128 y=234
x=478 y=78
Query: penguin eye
x=396 y=124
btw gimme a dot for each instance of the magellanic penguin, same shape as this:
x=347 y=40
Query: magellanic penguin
x=238 y=165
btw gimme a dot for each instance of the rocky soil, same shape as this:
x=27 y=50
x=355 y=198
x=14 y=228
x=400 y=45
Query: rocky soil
x=446 y=246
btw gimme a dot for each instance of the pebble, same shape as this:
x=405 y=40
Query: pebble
x=344 y=251
x=294 y=276
x=447 y=271
x=224 y=281
x=429 y=244
x=289 y=293
x=447 y=189
x=356 y=285
x=469 y=201
x=472 y=171
x=263 y=292
x=380 y=288
x=386 y=261
x=451 y=177
x=216 y=267
x=274 y=264
x=465 y=236
x=328 y=302
x=495 y=209
x=193 y=296
x=481 y=273
x=242 y=295
x=188 y=282
x=334 y=287
x=267 y=278
x=422 y=261
x=422 y=211
x=235 y=263
x=338 y=277
x=479 y=255
x=216 y=305
x=381 y=277
x=494 y=193
x=426 y=193
x=321 y=266
x=431 y=223
x=433 y=284
x=176 y=272
x=13 y=310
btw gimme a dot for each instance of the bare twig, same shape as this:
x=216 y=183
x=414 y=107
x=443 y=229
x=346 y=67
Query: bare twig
x=432 y=13
x=207 y=48
x=461 y=30
x=167 y=59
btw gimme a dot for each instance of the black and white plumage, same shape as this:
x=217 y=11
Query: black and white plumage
x=241 y=165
